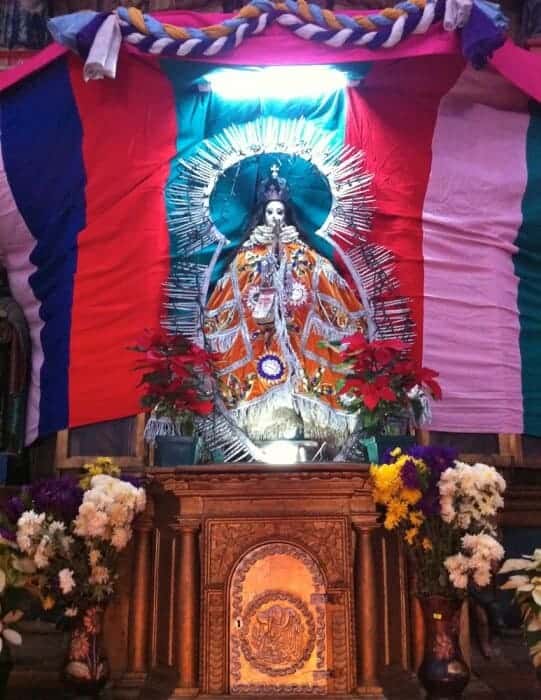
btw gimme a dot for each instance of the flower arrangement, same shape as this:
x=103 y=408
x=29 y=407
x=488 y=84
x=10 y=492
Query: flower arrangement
x=71 y=534
x=383 y=382
x=445 y=511
x=526 y=582
x=176 y=377
x=12 y=579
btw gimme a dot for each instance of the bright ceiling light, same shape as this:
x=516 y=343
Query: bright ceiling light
x=276 y=81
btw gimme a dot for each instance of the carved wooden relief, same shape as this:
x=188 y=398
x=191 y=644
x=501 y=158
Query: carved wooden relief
x=325 y=538
x=217 y=642
x=340 y=649
x=278 y=633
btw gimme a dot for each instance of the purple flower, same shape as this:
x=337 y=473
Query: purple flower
x=7 y=534
x=60 y=498
x=436 y=458
x=410 y=477
x=14 y=508
x=429 y=503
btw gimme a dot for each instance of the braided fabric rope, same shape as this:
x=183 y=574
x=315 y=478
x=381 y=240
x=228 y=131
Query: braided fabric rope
x=307 y=20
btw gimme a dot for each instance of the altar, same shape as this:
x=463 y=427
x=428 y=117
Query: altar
x=263 y=582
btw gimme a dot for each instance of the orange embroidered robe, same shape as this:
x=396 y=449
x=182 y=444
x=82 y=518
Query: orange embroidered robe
x=265 y=320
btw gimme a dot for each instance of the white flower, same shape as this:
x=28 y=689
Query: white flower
x=99 y=575
x=56 y=527
x=457 y=567
x=71 y=612
x=66 y=581
x=29 y=527
x=44 y=552
x=482 y=576
x=121 y=537
x=94 y=556
x=109 y=506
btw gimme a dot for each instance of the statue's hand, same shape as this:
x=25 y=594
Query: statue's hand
x=288 y=234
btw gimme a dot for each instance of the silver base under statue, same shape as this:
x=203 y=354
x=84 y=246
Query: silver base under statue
x=292 y=451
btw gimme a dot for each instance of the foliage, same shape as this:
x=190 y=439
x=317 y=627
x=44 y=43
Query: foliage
x=527 y=587
x=383 y=381
x=12 y=577
x=445 y=511
x=176 y=377
x=71 y=533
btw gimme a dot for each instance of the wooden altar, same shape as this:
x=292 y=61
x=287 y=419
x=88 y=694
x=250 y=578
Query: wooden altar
x=262 y=583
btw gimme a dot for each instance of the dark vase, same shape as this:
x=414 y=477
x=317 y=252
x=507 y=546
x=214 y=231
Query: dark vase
x=86 y=671
x=443 y=672
x=174 y=450
x=377 y=445
x=6 y=664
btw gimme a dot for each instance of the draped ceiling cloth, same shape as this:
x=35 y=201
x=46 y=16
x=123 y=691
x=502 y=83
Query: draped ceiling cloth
x=456 y=159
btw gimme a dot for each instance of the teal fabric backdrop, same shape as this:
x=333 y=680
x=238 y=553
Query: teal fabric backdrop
x=202 y=115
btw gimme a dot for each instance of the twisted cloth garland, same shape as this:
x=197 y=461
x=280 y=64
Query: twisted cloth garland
x=384 y=29
x=308 y=21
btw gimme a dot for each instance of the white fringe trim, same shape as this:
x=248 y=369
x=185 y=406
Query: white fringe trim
x=283 y=415
x=159 y=426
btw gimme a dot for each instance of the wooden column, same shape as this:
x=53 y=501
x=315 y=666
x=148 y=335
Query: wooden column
x=187 y=607
x=366 y=613
x=416 y=620
x=140 y=598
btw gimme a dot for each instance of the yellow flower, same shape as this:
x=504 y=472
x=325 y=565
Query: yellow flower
x=426 y=544
x=396 y=511
x=48 y=602
x=390 y=522
x=101 y=465
x=396 y=452
x=416 y=518
x=411 y=496
x=104 y=461
x=411 y=534
x=387 y=482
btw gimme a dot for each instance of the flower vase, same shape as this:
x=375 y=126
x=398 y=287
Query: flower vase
x=6 y=665
x=86 y=671
x=443 y=672
x=175 y=450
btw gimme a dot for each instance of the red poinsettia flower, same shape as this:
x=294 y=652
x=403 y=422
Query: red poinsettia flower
x=427 y=377
x=379 y=377
x=176 y=374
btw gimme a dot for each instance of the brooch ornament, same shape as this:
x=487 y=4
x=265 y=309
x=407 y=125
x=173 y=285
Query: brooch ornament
x=270 y=367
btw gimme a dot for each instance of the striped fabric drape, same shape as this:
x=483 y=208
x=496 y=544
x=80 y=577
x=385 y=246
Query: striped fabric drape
x=456 y=159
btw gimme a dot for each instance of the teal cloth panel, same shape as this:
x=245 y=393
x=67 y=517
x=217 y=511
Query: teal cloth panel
x=201 y=115
x=527 y=265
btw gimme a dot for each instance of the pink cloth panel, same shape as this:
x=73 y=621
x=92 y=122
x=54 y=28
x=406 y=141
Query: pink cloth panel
x=471 y=216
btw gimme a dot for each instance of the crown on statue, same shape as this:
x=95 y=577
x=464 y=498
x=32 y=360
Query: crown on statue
x=273 y=188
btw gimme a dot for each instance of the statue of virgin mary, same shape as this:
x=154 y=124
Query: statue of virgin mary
x=265 y=320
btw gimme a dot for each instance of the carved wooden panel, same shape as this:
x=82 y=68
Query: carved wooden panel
x=325 y=538
x=215 y=611
x=340 y=636
x=277 y=623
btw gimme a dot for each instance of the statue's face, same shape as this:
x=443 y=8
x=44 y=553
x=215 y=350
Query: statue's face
x=274 y=212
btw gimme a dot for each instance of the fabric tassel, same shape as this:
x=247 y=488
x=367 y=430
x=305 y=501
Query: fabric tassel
x=157 y=426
